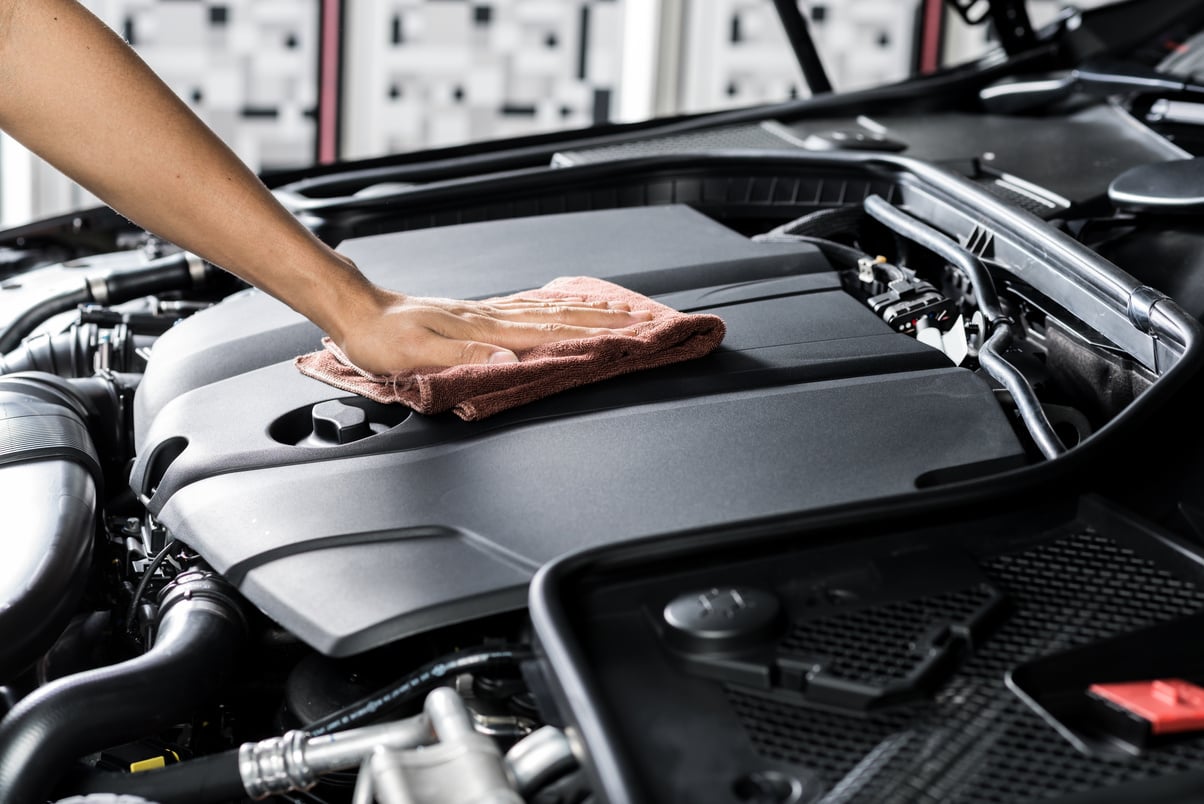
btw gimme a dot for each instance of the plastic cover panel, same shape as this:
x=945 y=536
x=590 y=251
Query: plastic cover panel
x=812 y=401
x=856 y=604
x=651 y=250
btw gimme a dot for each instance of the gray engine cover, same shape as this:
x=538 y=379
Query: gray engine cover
x=811 y=401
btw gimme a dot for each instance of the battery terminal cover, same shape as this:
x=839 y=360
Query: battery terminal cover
x=1170 y=705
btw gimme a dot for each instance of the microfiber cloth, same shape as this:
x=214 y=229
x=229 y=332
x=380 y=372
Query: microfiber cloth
x=477 y=391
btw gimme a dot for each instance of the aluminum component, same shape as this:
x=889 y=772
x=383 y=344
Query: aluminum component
x=275 y=765
x=462 y=768
x=363 y=783
x=295 y=760
x=348 y=748
x=539 y=758
x=387 y=783
x=449 y=716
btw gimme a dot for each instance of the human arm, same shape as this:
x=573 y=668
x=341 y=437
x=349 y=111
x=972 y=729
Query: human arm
x=73 y=92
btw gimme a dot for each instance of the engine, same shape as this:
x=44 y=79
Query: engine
x=234 y=581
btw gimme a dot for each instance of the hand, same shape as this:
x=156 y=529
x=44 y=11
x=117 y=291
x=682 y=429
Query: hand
x=407 y=332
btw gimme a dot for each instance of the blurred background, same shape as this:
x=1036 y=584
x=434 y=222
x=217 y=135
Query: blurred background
x=291 y=82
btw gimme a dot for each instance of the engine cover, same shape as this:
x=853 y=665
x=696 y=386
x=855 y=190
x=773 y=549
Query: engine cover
x=812 y=401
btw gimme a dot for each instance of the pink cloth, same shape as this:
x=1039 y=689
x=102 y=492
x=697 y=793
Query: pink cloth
x=477 y=391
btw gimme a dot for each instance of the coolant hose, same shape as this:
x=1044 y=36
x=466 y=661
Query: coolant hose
x=200 y=630
x=921 y=233
x=202 y=780
x=990 y=355
x=30 y=318
x=173 y=272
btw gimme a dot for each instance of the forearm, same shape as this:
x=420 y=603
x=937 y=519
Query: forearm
x=77 y=95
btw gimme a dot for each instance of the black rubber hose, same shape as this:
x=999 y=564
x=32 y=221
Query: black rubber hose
x=200 y=630
x=990 y=356
x=924 y=235
x=173 y=272
x=198 y=781
x=217 y=777
x=29 y=319
x=167 y=273
x=418 y=683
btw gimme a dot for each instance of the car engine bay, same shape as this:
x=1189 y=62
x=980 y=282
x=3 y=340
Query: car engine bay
x=904 y=485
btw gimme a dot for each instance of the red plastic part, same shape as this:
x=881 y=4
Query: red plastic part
x=1170 y=705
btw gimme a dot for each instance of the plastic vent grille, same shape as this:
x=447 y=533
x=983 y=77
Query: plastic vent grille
x=1042 y=209
x=877 y=644
x=717 y=193
x=976 y=741
x=743 y=136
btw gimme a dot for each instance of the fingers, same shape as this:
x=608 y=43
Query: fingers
x=566 y=302
x=574 y=316
x=545 y=311
x=515 y=335
x=437 y=333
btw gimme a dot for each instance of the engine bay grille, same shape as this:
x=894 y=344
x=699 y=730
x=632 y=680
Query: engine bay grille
x=975 y=740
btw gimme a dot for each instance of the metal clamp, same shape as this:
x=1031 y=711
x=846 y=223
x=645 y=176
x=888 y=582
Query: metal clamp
x=1141 y=307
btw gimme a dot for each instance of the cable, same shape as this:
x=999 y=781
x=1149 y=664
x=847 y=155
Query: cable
x=144 y=582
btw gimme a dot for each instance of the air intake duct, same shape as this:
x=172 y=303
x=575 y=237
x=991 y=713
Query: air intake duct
x=48 y=479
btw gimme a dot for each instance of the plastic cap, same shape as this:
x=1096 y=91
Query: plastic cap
x=1170 y=705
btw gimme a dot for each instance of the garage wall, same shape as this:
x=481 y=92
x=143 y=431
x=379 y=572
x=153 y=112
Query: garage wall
x=247 y=67
x=423 y=73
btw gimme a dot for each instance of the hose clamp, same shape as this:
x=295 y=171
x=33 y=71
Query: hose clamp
x=98 y=288
x=198 y=271
x=200 y=586
x=1141 y=307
